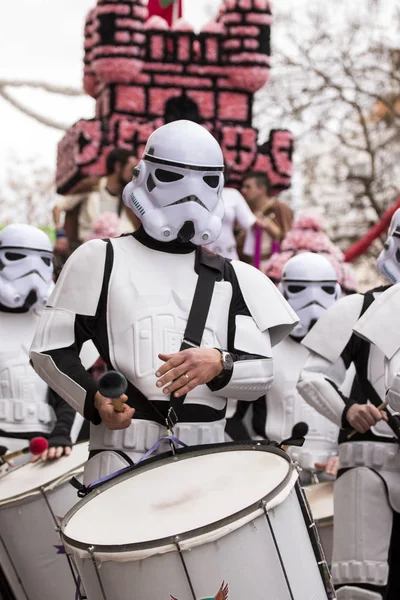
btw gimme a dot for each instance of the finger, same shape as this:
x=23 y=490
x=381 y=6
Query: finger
x=67 y=450
x=172 y=375
x=51 y=453
x=174 y=360
x=320 y=465
x=59 y=452
x=374 y=413
x=177 y=384
x=187 y=388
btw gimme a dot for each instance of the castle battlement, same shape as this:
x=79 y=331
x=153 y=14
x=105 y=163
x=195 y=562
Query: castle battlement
x=143 y=74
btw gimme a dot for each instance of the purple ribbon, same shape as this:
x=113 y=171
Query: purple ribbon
x=170 y=438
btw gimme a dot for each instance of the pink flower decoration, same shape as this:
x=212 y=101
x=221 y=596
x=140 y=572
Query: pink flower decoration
x=106 y=225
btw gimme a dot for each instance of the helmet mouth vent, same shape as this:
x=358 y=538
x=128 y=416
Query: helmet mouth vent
x=186 y=232
x=31 y=299
x=191 y=198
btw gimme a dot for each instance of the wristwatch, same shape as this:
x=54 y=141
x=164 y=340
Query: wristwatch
x=226 y=360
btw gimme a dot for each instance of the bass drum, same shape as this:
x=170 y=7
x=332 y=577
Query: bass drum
x=221 y=521
x=33 y=500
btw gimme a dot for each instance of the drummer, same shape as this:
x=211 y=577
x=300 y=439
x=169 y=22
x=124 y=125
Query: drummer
x=132 y=296
x=28 y=407
x=309 y=283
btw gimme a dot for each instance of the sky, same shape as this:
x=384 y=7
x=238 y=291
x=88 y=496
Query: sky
x=43 y=41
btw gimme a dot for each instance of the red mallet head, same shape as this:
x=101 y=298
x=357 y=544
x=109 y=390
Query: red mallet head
x=37 y=445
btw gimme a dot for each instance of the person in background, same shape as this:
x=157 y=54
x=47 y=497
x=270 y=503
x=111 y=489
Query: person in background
x=236 y=211
x=274 y=219
x=28 y=407
x=95 y=197
x=367 y=492
x=309 y=284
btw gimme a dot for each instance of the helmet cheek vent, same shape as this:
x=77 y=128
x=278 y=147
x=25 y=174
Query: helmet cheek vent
x=150 y=183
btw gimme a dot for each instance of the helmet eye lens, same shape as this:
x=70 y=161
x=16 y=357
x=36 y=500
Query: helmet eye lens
x=212 y=180
x=167 y=176
x=398 y=255
x=328 y=289
x=14 y=256
x=296 y=289
x=46 y=260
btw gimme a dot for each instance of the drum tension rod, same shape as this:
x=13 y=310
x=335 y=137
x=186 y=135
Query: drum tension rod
x=58 y=530
x=263 y=505
x=177 y=544
x=97 y=571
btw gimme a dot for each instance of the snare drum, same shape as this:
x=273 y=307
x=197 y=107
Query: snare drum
x=33 y=500
x=320 y=497
x=225 y=521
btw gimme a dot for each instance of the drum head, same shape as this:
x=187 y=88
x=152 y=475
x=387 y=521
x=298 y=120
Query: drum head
x=25 y=480
x=202 y=487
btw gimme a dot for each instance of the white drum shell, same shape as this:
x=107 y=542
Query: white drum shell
x=31 y=553
x=242 y=553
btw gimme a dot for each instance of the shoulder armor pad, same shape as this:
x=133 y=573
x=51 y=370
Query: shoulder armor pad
x=380 y=324
x=333 y=330
x=266 y=304
x=79 y=286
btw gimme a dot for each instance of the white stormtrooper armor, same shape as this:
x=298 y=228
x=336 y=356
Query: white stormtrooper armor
x=25 y=281
x=179 y=184
x=23 y=394
x=27 y=406
x=309 y=284
x=26 y=267
x=285 y=408
x=133 y=301
x=370 y=484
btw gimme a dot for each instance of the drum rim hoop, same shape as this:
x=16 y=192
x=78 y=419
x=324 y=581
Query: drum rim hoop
x=37 y=492
x=167 y=458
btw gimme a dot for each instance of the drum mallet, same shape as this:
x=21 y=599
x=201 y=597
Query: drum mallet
x=299 y=432
x=113 y=385
x=37 y=446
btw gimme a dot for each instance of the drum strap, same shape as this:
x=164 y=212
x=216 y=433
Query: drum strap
x=209 y=267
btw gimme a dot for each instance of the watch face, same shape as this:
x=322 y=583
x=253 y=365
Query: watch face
x=227 y=361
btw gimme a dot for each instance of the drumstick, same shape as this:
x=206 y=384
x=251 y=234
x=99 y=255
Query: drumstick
x=380 y=407
x=113 y=385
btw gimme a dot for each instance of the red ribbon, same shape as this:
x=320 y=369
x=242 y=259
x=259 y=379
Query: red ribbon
x=364 y=243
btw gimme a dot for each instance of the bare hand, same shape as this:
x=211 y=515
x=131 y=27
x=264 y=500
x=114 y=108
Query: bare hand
x=61 y=245
x=330 y=467
x=112 y=419
x=185 y=370
x=363 y=416
x=53 y=453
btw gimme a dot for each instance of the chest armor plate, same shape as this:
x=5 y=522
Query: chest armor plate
x=23 y=394
x=149 y=300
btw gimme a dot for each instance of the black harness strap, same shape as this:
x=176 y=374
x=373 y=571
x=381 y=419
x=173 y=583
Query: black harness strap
x=195 y=325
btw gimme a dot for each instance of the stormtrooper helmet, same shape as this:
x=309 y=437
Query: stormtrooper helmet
x=388 y=262
x=26 y=267
x=309 y=284
x=177 y=186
